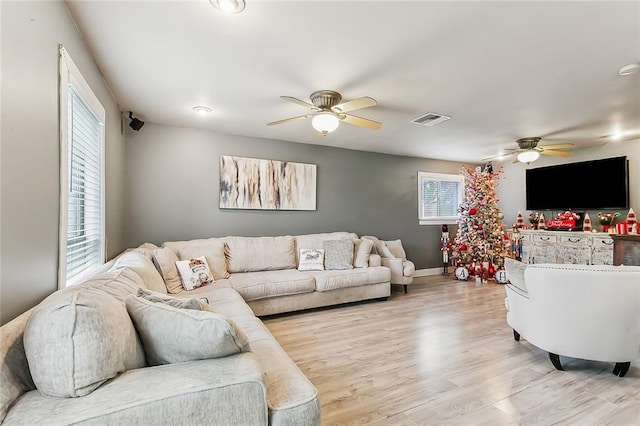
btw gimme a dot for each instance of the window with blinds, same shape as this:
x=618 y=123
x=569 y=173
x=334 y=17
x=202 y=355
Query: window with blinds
x=439 y=196
x=82 y=176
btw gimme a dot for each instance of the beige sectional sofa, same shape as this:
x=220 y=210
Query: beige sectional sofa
x=76 y=357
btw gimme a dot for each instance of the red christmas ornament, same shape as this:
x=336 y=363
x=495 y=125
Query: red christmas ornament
x=472 y=211
x=463 y=247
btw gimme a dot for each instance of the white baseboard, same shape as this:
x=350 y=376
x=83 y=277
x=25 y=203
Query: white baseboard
x=428 y=272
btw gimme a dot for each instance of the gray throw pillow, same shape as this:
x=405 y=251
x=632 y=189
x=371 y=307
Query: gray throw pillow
x=176 y=302
x=338 y=254
x=193 y=334
x=78 y=338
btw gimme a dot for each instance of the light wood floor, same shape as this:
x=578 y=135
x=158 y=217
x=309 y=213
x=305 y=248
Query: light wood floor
x=444 y=354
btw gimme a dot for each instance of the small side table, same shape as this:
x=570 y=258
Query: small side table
x=626 y=249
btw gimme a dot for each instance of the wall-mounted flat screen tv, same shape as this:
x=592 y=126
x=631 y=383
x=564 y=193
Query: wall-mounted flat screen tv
x=588 y=185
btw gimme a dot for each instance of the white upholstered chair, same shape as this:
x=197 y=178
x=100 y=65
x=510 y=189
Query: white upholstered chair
x=393 y=256
x=589 y=312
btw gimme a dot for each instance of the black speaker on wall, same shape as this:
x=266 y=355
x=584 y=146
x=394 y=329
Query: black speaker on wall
x=135 y=124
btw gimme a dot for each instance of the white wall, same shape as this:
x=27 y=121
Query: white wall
x=29 y=175
x=511 y=187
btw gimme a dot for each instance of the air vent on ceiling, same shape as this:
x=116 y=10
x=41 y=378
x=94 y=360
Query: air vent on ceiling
x=430 y=119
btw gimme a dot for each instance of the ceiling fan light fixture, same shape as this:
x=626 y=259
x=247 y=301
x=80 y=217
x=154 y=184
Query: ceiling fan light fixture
x=201 y=109
x=228 y=6
x=528 y=156
x=325 y=122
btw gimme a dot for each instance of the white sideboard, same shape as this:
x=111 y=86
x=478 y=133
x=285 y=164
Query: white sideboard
x=577 y=247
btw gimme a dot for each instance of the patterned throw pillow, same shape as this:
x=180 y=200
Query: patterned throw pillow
x=311 y=260
x=338 y=254
x=194 y=273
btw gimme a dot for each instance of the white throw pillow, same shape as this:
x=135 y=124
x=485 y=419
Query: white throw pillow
x=362 y=252
x=192 y=334
x=311 y=260
x=143 y=266
x=194 y=272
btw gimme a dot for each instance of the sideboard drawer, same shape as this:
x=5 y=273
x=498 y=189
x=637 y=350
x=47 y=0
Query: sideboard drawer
x=544 y=238
x=575 y=240
x=605 y=241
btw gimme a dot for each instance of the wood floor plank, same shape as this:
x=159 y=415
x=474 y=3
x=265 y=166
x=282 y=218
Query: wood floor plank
x=444 y=354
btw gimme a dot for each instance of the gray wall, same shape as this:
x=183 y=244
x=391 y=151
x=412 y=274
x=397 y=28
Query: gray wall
x=29 y=177
x=173 y=191
x=511 y=187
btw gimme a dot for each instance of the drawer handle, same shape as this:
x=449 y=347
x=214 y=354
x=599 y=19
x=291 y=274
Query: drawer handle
x=571 y=240
x=545 y=238
x=607 y=243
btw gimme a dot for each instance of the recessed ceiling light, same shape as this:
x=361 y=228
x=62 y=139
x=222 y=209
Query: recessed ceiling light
x=629 y=69
x=228 y=6
x=201 y=109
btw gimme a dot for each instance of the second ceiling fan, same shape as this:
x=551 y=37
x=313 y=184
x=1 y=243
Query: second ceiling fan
x=327 y=111
x=529 y=151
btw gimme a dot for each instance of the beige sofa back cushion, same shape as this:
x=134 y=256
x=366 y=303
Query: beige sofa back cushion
x=143 y=266
x=78 y=338
x=246 y=254
x=212 y=249
x=165 y=259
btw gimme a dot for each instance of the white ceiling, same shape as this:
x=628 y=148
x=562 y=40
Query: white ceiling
x=502 y=70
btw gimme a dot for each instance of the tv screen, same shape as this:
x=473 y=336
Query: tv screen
x=588 y=185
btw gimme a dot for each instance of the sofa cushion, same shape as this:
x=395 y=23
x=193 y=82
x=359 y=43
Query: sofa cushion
x=142 y=265
x=194 y=272
x=176 y=302
x=311 y=259
x=331 y=280
x=76 y=339
x=246 y=254
x=260 y=285
x=292 y=399
x=515 y=272
x=338 y=254
x=361 y=253
x=192 y=334
x=146 y=249
x=213 y=249
x=165 y=259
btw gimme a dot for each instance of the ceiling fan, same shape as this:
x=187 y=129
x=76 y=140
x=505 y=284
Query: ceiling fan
x=327 y=112
x=529 y=151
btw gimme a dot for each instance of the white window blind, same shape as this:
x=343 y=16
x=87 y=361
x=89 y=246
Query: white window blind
x=439 y=196
x=82 y=176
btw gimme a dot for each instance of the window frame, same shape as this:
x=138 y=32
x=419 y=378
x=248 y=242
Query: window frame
x=439 y=177
x=70 y=79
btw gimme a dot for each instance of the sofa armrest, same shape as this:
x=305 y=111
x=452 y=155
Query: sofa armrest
x=395 y=264
x=374 y=260
x=212 y=391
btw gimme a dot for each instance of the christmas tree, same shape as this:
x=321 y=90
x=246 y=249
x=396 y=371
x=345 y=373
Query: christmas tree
x=480 y=236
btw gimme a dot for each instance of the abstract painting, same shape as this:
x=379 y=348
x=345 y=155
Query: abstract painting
x=250 y=183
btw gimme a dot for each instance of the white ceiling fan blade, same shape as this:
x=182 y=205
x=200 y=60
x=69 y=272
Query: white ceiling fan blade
x=299 y=102
x=286 y=120
x=364 y=102
x=359 y=121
